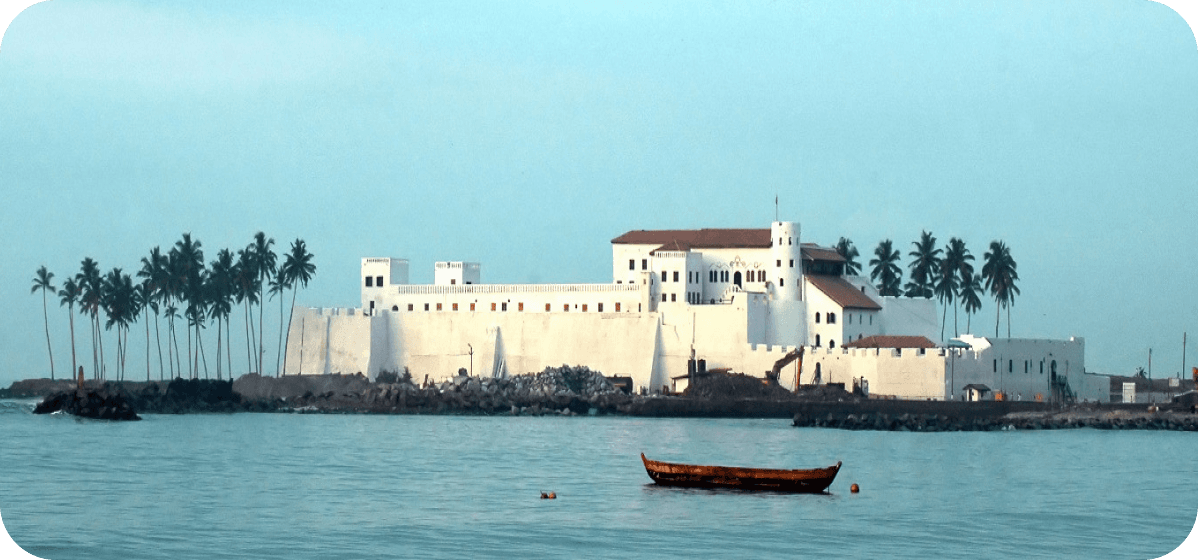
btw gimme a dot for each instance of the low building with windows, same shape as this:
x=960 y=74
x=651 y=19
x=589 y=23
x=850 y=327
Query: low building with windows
x=737 y=298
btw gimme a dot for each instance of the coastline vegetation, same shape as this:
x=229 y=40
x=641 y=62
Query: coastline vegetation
x=944 y=273
x=174 y=281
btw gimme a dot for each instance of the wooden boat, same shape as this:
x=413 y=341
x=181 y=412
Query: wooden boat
x=744 y=478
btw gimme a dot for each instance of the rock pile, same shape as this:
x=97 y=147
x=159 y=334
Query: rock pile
x=564 y=390
x=106 y=403
x=908 y=422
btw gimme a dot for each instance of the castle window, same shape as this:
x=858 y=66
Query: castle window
x=503 y=306
x=871 y=319
x=831 y=318
x=409 y=307
x=426 y=307
x=455 y=307
x=711 y=276
x=675 y=275
x=584 y=308
x=831 y=343
x=438 y=307
x=850 y=316
x=1025 y=366
x=600 y=308
x=631 y=264
x=817 y=340
x=781 y=282
x=521 y=306
x=492 y=306
x=453 y=281
x=472 y=306
x=761 y=276
x=1041 y=367
x=996 y=366
x=788 y=240
x=725 y=273
x=663 y=297
x=394 y=308
x=779 y=263
x=1010 y=366
x=673 y=297
x=663 y=275
x=369 y=282
x=792 y=263
x=378 y=281
x=547 y=307
x=817 y=318
x=644 y=264
x=565 y=307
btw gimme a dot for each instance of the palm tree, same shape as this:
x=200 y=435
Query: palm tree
x=971 y=296
x=925 y=264
x=885 y=269
x=154 y=279
x=89 y=304
x=954 y=267
x=144 y=298
x=120 y=307
x=221 y=298
x=845 y=248
x=68 y=295
x=297 y=268
x=265 y=259
x=1000 y=276
x=190 y=263
x=278 y=285
x=245 y=292
x=42 y=281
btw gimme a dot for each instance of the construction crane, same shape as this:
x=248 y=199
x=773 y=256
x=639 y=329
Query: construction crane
x=771 y=376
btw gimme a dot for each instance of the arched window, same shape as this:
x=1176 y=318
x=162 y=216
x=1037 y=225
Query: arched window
x=817 y=321
x=831 y=343
x=394 y=308
x=817 y=340
x=831 y=318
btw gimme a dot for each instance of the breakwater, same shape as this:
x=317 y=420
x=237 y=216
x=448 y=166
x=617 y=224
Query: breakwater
x=950 y=416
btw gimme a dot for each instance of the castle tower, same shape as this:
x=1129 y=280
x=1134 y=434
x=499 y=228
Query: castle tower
x=786 y=268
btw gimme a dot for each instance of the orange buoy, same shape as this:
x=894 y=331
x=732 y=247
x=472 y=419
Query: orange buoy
x=854 y=488
x=549 y=496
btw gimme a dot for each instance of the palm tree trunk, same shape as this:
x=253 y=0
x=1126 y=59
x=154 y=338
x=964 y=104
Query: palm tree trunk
x=200 y=353
x=147 y=314
x=100 y=338
x=943 y=322
x=1008 y=321
x=261 y=306
x=288 y=342
x=158 y=339
x=956 y=329
x=228 y=347
x=249 y=361
x=279 y=353
x=997 y=311
x=218 y=341
x=95 y=357
x=71 y=316
x=46 y=316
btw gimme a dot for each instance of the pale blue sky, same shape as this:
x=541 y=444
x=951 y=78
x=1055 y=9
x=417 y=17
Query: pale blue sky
x=526 y=135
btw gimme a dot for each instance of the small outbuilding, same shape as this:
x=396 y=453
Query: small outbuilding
x=976 y=392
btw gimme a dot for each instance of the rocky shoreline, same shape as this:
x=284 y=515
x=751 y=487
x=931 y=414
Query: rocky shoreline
x=913 y=416
x=574 y=391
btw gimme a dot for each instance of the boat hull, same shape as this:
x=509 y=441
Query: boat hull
x=743 y=478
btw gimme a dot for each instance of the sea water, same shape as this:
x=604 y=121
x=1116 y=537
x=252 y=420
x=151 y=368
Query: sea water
x=359 y=486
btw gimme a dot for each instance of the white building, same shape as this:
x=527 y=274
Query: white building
x=737 y=298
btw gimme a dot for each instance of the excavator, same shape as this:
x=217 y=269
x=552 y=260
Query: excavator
x=771 y=376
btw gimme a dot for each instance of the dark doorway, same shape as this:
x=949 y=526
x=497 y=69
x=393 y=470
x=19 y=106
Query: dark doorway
x=736 y=279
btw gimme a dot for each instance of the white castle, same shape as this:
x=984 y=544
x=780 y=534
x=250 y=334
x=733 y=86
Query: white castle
x=736 y=298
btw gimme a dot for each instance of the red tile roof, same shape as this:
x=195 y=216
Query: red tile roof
x=699 y=238
x=891 y=341
x=813 y=252
x=842 y=292
x=687 y=239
